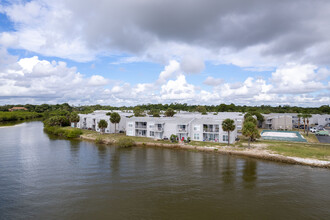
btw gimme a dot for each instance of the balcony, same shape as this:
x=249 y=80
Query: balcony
x=141 y=125
x=211 y=130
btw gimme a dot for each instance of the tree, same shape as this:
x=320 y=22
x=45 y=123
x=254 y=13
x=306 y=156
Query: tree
x=154 y=112
x=299 y=117
x=102 y=125
x=260 y=118
x=250 y=130
x=74 y=117
x=307 y=116
x=115 y=118
x=251 y=119
x=228 y=125
x=169 y=112
x=138 y=112
x=247 y=115
x=201 y=109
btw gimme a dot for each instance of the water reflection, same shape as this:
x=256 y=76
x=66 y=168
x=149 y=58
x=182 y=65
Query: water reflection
x=229 y=171
x=250 y=173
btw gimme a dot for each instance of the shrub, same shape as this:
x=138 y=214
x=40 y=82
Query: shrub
x=99 y=140
x=72 y=133
x=174 y=138
x=125 y=142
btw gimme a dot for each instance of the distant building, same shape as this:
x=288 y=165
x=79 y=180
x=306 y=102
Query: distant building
x=90 y=121
x=277 y=121
x=17 y=109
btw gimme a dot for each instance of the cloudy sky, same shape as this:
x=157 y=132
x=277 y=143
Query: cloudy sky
x=128 y=52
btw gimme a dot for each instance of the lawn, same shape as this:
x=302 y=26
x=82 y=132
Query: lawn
x=304 y=150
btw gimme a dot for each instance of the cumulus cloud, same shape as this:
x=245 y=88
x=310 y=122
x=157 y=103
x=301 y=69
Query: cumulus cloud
x=211 y=81
x=192 y=64
x=261 y=32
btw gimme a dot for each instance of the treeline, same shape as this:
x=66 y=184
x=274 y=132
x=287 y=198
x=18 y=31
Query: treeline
x=266 y=109
x=18 y=116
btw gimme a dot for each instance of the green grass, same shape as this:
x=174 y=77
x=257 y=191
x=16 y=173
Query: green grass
x=117 y=137
x=311 y=138
x=316 y=151
x=205 y=143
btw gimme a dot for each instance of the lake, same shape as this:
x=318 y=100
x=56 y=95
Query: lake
x=43 y=177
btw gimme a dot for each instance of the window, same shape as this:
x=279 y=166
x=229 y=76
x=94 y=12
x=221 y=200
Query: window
x=239 y=127
x=152 y=133
x=196 y=128
x=225 y=137
x=129 y=132
x=151 y=126
x=196 y=136
x=130 y=125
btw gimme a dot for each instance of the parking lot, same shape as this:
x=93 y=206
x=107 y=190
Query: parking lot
x=324 y=139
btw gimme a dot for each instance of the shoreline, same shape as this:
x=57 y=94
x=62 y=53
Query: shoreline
x=255 y=151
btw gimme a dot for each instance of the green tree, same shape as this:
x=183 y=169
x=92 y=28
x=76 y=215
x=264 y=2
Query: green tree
x=250 y=130
x=228 y=125
x=103 y=124
x=74 y=118
x=169 y=112
x=115 y=118
x=247 y=115
x=154 y=112
x=251 y=119
x=201 y=109
x=138 y=112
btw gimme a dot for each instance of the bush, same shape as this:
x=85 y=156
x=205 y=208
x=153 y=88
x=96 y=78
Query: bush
x=62 y=132
x=72 y=133
x=174 y=138
x=125 y=142
x=99 y=140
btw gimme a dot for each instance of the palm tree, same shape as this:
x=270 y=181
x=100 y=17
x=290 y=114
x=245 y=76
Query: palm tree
x=307 y=117
x=228 y=125
x=115 y=118
x=102 y=125
x=304 y=117
x=299 y=117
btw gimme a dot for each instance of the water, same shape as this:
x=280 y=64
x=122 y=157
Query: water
x=42 y=177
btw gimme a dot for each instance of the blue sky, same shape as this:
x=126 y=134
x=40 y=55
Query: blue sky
x=134 y=52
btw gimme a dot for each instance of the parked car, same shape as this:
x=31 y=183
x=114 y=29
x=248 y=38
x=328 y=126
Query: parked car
x=322 y=133
x=301 y=126
x=313 y=130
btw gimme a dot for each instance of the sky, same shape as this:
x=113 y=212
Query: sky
x=130 y=52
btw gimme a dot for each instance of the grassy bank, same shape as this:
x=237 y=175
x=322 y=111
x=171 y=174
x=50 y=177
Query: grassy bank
x=113 y=138
x=18 y=116
x=315 y=151
x=66 y=132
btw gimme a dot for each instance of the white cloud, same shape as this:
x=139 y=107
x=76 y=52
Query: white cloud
x=177 y=89
x=211 y=81
x=192 y=64
x=172 y=69
x=295 y=78
x=97 y=80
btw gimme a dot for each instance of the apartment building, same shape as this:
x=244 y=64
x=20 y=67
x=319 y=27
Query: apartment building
x=90 y=121
x=198 y=129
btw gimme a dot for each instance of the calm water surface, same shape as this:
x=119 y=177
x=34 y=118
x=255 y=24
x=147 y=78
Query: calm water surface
x=47 y=178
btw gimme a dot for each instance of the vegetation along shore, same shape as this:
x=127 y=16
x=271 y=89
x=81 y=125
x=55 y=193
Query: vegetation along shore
x=311 y=154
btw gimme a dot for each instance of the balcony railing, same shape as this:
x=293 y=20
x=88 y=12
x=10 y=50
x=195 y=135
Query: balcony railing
x=182 y=130
x=215 y=130
x=159 y=129
x=140 y=127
